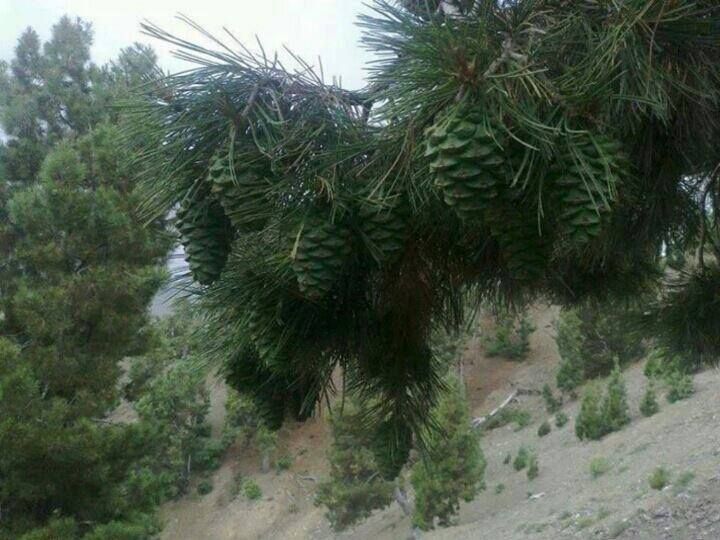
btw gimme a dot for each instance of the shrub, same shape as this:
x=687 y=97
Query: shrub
x=251 y=490
x=284 y=463
x=615 y=410
x=659 y=478
x=589 y=422
x=569 y=340
x=597 y=419
x=453 y=466
x=680 y=386
x=561 y=419
x=141 y=528
x=598 y=467
x=649 y=404
x=511 y=338
x=499 y=489
x=205 y=487
x=533 y=467
x=522 y=458
x=552 y=404
x=544 y=429
x=508 y=459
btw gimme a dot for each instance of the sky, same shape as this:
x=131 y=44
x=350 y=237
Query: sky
x=311 y=28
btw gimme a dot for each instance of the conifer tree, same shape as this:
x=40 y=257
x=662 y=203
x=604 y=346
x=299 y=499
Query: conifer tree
x=649 y=404
x=615 y=410
x=356 y=486
x=79 y=268
x=502 y=150
x=451 y=469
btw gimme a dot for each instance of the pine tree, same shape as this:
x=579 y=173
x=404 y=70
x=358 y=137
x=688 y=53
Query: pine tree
x=526 y=138
x=453 y=466
x=589 y=423
x=649 y=404
x=355 y=487
x=615 y=410
x=79 y=271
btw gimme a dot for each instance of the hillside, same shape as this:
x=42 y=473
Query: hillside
x=563 y=502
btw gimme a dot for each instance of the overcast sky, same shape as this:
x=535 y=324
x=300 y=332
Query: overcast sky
x=309 y=27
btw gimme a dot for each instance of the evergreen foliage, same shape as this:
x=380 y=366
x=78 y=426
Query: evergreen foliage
x=552 y=404
x=680 y=386
x=598 y=418
x=452 y=467
x=355 y=487
x=510 y=339
x=79 y=268
x=505 y=148
x=544 y=429
x=589 y=423
x=592 y=337
x=649 y=404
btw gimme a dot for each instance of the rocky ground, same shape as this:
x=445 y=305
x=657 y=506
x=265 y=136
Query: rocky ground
x=565 y=501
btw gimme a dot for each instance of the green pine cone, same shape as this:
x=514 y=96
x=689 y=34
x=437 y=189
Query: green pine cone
x=244 y=196
x=520 y=243
x=384 y=228
x=467 y=162
x=585 y=183
x=205 y=235
x=321 y=247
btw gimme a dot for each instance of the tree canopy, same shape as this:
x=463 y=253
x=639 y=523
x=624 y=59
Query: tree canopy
x=501 y=150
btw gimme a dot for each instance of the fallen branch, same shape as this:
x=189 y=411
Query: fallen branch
x=480 y=421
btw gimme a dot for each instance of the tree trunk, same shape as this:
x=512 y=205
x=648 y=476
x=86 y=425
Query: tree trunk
x=402 y=500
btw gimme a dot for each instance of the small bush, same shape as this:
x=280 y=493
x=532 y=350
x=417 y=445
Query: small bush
x=659 y=478
x=508 y=459
x=499 y=489
x=589 y=422
x=544 y=429
x=552 y=404
x=680 y=386
x=511 y=339
x=251 y=490
x=284 y=463
x=205 y=487
x=649 y=404
x=522 y=458
x=598 y=467
x=533 y=467
x=597 y=420
x=561 y=419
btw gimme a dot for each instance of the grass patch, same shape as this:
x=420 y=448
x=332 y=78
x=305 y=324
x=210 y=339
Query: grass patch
x=683 y=482
x=598 y=467
x=659 y=478
x=617 y=528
